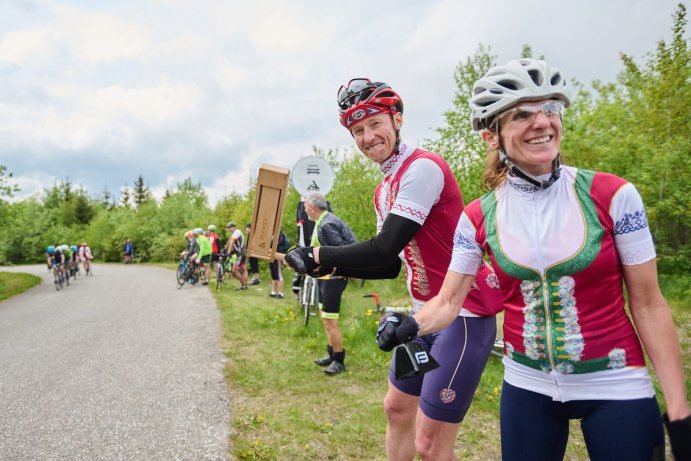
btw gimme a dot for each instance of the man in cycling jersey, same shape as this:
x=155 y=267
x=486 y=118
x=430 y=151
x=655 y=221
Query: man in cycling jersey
x=54 y=257
x=215 y=249
x=418 y=204
x=67 y=252
x=204 y=255
x=236 y=246
x=85 y=256
x=192 y=249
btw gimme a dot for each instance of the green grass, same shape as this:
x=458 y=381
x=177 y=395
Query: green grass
x=13 y=283
x=284 y=408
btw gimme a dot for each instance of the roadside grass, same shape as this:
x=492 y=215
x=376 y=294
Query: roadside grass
x=14 y=283
x=284 y=408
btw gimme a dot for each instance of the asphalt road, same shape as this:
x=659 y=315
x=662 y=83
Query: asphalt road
x=119 y=366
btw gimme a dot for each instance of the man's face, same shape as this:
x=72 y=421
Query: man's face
x=312 y=211
x=376 y=136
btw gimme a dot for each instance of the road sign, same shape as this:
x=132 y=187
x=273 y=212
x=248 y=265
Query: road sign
x=312 y=174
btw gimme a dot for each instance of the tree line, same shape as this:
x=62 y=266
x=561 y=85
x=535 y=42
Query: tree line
x=637 y=127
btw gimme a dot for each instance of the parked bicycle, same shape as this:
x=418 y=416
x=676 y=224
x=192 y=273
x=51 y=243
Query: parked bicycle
x=308 y=298
x=378 y=308
x=223 y=267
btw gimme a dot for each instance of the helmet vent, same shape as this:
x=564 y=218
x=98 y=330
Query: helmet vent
x=536 y=76
x=510 y=84
x=556 y=79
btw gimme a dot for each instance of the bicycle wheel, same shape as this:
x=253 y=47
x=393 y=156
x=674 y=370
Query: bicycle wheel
x=219 y=277
x=58 y=285
x=180 y=275
x=311 y=298
x=299 y=299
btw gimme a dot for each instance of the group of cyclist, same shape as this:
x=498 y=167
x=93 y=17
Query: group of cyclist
x=205 y=249
x=64 y=260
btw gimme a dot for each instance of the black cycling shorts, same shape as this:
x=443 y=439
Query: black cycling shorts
x=330 y=292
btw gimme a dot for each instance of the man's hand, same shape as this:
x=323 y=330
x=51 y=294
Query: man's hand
x=301 y=259
x=679 y=437
x=396 y=329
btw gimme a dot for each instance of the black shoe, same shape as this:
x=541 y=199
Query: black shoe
x=273 y=295
x=279 y=296
x=254 y=282
x=243 y=287
x=324 y=361
x=335 y=368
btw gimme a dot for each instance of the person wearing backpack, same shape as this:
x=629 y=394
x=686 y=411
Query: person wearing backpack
x=275 y=267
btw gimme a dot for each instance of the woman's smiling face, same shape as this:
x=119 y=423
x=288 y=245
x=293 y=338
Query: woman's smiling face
x=530 y=137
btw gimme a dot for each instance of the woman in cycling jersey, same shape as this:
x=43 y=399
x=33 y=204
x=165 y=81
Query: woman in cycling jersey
x=417 y=204
x=563 y=242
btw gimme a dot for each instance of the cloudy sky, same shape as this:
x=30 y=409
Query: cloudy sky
x=100 y=92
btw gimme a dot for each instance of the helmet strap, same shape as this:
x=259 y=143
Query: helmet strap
x=537 y=182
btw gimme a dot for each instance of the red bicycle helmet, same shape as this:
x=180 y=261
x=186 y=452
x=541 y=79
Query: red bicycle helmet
x=362 y=98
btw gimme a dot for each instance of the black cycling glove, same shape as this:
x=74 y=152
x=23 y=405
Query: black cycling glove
x=679 y=437
x=396 y=329
x=301 y=259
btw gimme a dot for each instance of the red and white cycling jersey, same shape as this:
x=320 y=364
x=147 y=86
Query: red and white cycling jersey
x=84 y=253
x=419 y=185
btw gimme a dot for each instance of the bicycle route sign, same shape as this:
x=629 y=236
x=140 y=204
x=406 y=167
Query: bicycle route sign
x=312 y=174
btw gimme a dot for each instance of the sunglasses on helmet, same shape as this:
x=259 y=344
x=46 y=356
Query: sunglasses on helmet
x=355 y=91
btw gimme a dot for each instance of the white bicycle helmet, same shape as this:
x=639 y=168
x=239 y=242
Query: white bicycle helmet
x=518 y=80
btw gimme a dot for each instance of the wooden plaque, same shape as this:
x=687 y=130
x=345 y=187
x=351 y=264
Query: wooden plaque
x=272 y=187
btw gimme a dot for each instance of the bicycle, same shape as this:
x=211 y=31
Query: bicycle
x=87 y=268
x=387 y=309
x=187 y=272
x=308 y=298
x=57 y=274
x=222 y=269
x=497 y=348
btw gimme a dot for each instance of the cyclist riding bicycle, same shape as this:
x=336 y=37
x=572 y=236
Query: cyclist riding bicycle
x=65 y=268
x=56 y=258
x=85 y=256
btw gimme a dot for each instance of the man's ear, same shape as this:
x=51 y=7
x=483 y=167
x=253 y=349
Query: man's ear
x=397 y=120
x=491 y=138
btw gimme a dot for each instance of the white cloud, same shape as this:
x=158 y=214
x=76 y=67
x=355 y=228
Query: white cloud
x=103 y=91
x=17 y=47
x=230 y=75
x=101 y=37
x=284 y=31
